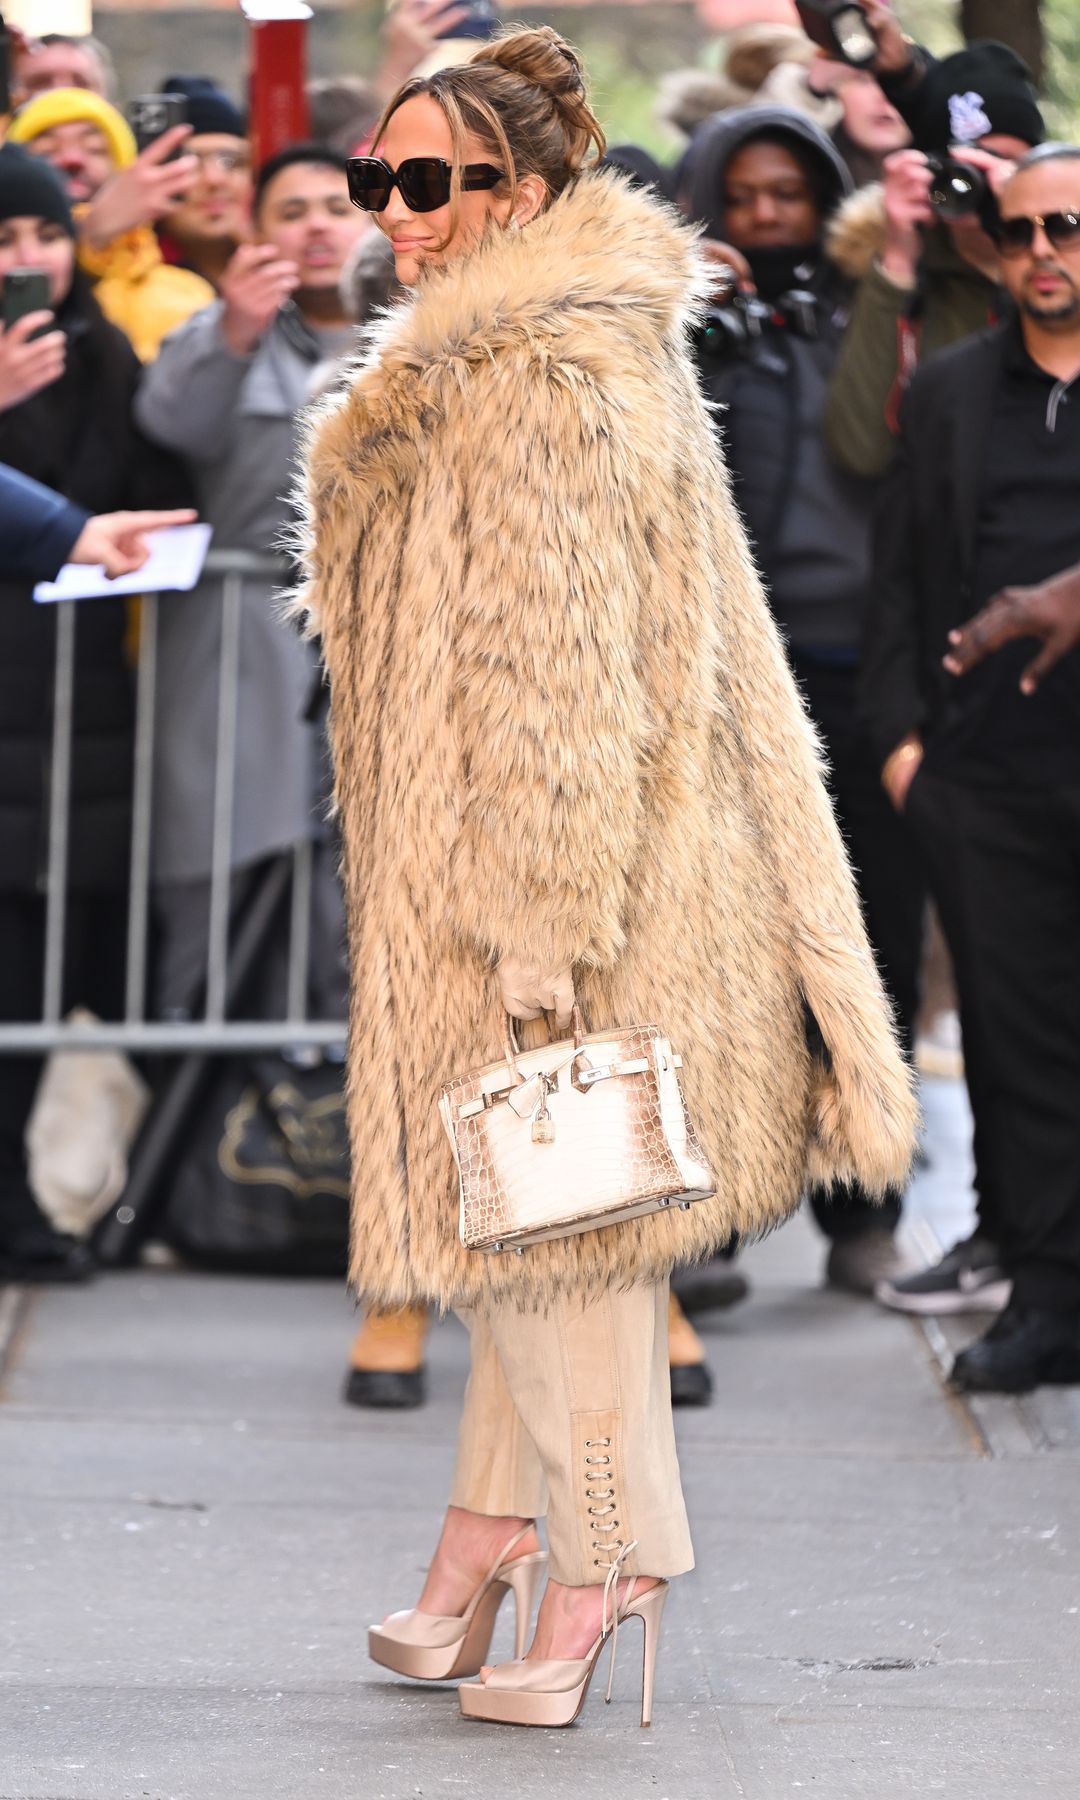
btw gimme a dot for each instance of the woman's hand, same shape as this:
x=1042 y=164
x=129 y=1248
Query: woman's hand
x=27 y=366
x=528 y=991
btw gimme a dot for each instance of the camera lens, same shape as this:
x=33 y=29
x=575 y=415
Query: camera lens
x=958 y=189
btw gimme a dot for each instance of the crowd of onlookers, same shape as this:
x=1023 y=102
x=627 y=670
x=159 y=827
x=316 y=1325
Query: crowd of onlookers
x=857 y=222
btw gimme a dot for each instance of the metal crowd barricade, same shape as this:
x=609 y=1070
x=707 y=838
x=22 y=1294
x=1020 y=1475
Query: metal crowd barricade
x=216 y=1031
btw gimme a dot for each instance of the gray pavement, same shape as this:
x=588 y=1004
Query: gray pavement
x=195 y=1534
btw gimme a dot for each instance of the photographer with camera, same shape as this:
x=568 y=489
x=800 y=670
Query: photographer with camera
x=764 y=181
x=921 y=247
x=981 y=503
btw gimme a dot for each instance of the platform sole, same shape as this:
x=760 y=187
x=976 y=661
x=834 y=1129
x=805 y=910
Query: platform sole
x=503 y=1706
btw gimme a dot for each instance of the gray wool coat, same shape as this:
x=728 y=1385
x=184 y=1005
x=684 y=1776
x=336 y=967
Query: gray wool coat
x=233 y=418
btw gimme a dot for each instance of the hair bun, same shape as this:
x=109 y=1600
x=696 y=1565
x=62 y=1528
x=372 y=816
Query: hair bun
x=539 y=56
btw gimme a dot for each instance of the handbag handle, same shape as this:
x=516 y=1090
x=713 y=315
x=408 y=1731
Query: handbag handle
x=513 y=1048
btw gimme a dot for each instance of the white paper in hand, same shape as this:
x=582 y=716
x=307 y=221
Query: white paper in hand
x=174 y=565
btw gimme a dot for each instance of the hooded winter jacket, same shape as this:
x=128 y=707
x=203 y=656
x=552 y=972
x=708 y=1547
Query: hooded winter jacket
x=563 y=727
x=808 y=519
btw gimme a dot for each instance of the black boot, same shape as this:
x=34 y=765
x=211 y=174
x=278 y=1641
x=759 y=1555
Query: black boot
x=691 y=1380
x=709 y=1286
x=1025 y=1348
x=43 y=1255
x=388 y=1360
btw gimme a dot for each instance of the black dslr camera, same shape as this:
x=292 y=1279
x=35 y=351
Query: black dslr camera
x=735 y=327
x=958 y=189
x=731 y=327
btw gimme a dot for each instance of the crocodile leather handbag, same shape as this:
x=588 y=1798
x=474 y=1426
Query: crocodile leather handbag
x=570 y=1137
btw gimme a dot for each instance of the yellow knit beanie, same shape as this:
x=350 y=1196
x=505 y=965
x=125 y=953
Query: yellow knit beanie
x=66 y=106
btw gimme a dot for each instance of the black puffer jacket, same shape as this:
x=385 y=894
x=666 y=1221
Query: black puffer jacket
x=76 y=436
x=810 y=521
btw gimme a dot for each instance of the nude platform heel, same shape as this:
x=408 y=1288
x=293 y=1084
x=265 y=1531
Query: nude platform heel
x=435 y=1647
x=551 y=1692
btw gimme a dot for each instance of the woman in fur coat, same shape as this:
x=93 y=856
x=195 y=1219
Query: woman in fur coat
x=570 y=763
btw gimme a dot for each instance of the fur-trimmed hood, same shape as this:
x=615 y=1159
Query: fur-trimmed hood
x=564 y=729
x=856 y=232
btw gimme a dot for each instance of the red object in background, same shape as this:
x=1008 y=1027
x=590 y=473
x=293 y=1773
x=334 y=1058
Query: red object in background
x=279 y=112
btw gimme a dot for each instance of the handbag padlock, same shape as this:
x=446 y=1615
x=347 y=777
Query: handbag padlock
x=543 y=1125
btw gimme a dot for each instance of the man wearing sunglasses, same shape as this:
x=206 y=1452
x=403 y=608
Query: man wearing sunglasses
x=984 y=500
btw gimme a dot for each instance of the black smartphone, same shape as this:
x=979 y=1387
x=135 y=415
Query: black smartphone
x=25 y=291
x=151 y=115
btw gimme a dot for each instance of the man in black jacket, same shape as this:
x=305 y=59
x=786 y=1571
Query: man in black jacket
x=984 y=499
x=764 y=180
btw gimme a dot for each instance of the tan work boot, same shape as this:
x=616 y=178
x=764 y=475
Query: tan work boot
x=387 y=1359
x=691 y=1382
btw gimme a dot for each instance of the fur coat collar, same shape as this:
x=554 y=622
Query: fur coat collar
x=605 y=273
x=564 y=728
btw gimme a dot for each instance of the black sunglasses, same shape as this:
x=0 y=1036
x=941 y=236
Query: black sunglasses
x=424 y=181
x=1016 y=235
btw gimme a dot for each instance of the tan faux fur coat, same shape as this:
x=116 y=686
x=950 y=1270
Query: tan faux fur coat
x=563 y=726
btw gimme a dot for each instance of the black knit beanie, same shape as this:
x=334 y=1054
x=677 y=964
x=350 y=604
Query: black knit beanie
x=31 y=189
x=209 y=108
x=985 y=88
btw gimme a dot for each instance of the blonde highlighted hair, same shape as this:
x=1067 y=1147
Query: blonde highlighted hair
x=524 y=97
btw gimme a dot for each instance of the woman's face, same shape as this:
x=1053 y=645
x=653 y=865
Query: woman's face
x=39 y=244
x=420 y=128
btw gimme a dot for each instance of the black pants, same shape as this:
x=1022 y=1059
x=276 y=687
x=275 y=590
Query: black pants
x=93 y=977
x=891 y=886
x=1005 y=870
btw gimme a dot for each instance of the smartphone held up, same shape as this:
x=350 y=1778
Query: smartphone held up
x=22 y=292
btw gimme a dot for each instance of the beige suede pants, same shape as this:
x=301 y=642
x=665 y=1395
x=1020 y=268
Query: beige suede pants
x=568 y=1414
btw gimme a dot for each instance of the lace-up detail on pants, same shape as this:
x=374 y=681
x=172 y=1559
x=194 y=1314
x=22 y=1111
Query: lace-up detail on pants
x=603 y=1507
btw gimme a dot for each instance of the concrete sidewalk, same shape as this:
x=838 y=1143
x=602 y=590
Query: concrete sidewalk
x=196 y=1533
